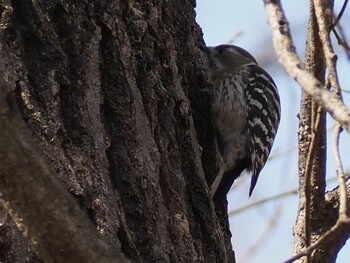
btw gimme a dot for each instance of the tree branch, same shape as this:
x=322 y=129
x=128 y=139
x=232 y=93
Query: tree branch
x=263 y=201
x=288 y=57
x=308 y=175
x=333 y=80
x=341 y=228
x=339 y=16
x=329 y=235
x=343 y=198
x=331 y=59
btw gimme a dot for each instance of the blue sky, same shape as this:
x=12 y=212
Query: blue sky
x=259 y=231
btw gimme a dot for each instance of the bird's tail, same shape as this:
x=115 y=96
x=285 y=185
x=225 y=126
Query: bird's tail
x=224 y=181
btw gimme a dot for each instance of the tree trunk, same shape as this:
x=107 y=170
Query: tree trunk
x=104 y=89
x=319 y=211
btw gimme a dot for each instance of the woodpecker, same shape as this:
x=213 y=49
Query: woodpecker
x=245 y=109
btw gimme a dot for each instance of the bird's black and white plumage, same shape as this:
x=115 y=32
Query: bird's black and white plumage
x=245 y=108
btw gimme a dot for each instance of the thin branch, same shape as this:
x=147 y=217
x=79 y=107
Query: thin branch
x=336 y=21
x=331 y=58
x=343 y=198
x=286 y=53
x=270 y=226
x=342 y=40
x=334 y=81
x=276 y=197
x=308 y=170
x=329 y=54
x=341 y=223
x=346 y=91
x=235 y=37
x=262 y=201
x=284 y=152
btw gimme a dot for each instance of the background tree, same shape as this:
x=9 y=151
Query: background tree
x=323 y=225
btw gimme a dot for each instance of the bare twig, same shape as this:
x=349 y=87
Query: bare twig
x=343 y=198
x=345 y=222
x=342 y=40
x=235 y=37
x=262 y=201
x=284 y=152
x=329 y=54
x=286 y=53
x=346 y=91
x=270 y=226
x=336 y=21
x=341 y=37
x=275 y=197
x=308 y=171
x=334 y=81
x=331 y=58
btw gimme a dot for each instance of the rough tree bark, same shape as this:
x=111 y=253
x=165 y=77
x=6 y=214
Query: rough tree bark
x=312 y=125
x=318 y=210
x=104 y=89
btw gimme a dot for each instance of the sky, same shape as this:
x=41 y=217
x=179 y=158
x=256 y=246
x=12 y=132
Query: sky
x=257 y=232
